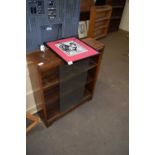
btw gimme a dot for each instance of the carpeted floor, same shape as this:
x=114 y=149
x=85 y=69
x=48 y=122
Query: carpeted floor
x=101 y=126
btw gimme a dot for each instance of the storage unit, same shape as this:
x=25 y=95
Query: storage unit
x=50 y=86
x=85 y=6
x=99 y=21
x=117 y=11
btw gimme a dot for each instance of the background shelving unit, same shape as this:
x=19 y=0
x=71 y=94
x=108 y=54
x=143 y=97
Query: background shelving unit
x=47 y=81
x=99 y=21
x=117 y=11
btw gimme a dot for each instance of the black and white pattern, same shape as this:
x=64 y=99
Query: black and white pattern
x=71 y=48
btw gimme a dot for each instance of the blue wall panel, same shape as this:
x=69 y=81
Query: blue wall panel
x=48 y=20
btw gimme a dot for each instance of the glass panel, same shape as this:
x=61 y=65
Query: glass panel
x=72 y=83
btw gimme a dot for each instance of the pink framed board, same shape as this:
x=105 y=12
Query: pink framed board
x=71 y=49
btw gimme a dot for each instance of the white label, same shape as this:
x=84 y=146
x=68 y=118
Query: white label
x=40 y=64
x=42 y=48
x=70 y=63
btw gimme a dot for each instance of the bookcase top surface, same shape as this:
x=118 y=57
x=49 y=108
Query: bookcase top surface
x=52 y=59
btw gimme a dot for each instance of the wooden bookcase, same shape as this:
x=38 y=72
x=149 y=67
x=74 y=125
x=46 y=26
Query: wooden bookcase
x=45 y=80
x=85 y=6
x=117 y=11
x=99 y=21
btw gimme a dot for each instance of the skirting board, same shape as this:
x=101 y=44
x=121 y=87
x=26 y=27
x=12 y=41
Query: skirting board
x=34 y=109
x=32 y=106
x=124 y=31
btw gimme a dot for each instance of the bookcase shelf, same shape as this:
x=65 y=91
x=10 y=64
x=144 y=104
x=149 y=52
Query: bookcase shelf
x=47 y=83
x=47 y=79
x=57 y=114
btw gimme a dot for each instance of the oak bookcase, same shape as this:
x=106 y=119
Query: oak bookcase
x=45 y=80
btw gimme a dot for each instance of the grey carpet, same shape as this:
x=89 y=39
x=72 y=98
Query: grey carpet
x=101 y=126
